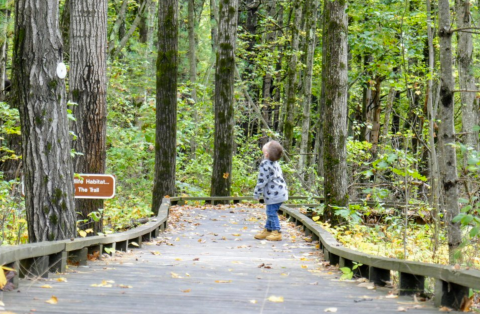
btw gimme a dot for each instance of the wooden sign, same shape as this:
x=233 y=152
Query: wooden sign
x=96 y=186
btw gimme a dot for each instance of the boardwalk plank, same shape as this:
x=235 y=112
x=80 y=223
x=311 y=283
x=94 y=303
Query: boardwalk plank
x=220 y=274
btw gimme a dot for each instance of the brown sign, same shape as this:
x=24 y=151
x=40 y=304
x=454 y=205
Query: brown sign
x=99 y=186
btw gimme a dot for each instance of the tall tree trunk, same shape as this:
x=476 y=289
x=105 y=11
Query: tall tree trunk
x=214 y=24
x=291 y=91
x=334 y=73
x=4 y=21
x=192 y=60
x=144 y=26
x=40 y=97
x=448 y=163
x=465 y=73
x=166 y=120
x=311 y=22
x=88 y=88
x=224 y=110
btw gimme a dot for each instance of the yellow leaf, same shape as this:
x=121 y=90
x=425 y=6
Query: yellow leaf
x=3 y=279
x=275 y=299
x=178 y=259
x=225 y=175
x=304 y=266
x=236 y=234
x=82 y=233
x=315 y=218
x=175 y=275
x=223 y=281
x=253 y=301
x=61 y=279
x=134 y=244
x=331 y=310
x=155 y=253
x=89 y=231
x=46 y=287
x=177 y=239
x=186 y=291
x=52 y=300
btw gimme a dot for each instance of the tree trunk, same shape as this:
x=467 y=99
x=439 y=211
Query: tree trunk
x=334 y=73
x=65 y=27
x=192 y=60
x=291 y=91
x=144 y=27
x=311 y=22
x=465 y=73
x=40 y=97
x=214 y=24
x=5 y=12
x=166 y=108
x=224 y=111
x=88 y=88
x=447 y=129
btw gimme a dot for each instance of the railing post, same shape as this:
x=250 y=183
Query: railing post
x=58 y=262
x=449 y=294
x=79 y=256
x=36 y=267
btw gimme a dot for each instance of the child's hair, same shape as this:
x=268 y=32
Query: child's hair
x=275 y=150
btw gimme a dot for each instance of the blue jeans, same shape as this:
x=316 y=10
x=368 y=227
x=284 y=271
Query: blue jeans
x=273 y=223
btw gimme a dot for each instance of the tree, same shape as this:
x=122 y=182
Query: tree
x=465 y=72
x=224 y=112
x=192 y=60
x=39 y=93
x=88 y=89
x=448 y=163
x=291 y=90
x=334 y=75
x=166 y=107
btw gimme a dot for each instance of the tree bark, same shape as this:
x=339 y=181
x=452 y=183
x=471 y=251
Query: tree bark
x=334 y=73
x=311 y=22
x=291 y=91
x=5 y=12
x=40 y=96
x=192 y=60
x=466 y=78
x=448 y=163
x=224 y=110
x=88 y=88
x=166 y=108
x=214 y=24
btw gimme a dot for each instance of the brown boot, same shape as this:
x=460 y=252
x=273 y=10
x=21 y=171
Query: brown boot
x=262 y=234
x=274 y=236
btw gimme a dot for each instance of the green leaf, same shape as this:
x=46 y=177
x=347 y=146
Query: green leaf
x=458 y=217
x=474 y=232
x=467 y=219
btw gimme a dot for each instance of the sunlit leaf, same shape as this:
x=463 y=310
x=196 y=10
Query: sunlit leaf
x=275 y=299
x=52 y=300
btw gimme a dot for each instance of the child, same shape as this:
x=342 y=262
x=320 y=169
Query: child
x=274 y=189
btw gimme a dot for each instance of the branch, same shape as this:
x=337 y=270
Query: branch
x=465 y=91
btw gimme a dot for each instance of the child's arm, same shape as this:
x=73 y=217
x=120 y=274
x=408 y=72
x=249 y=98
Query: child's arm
x=262 y=180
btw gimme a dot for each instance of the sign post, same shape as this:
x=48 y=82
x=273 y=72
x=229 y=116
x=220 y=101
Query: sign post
x=95 y=186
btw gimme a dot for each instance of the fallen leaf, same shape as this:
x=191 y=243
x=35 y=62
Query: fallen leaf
x=175 y=275
x=253 y=301
x=155 y=253
x=134 y=244
x=52 y=300
x=46 y=286
x=177 y=239
x=178 y=259
x=196 y=259
x=401 y=309
x=275 y=299
x=61 y=279
x=223 y=281
x=125 y=286
x=331 y=310
x=304 y=266
x=445 y=309
x=186 y=291
x=391 y=296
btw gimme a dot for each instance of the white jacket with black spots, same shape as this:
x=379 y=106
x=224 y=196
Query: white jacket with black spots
x=270 y=183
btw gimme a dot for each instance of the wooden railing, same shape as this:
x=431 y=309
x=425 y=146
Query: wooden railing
x=451 y=285
x=38 y=259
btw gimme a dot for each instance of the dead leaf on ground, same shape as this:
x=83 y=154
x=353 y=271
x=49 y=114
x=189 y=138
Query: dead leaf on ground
x=61 y=279
x=275 y=299
x=223 y=281
x=125 y=286
x=466 y=304
x=253 y=301
x=391 y=296
x=46 y=287
x=445 y=309
x=402 y=309
x=52 y=300
x=155 y=253
x=331 y=310
x=175 y=275
x=186 y=291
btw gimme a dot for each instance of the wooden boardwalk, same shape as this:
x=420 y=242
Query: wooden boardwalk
x=208 y=262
